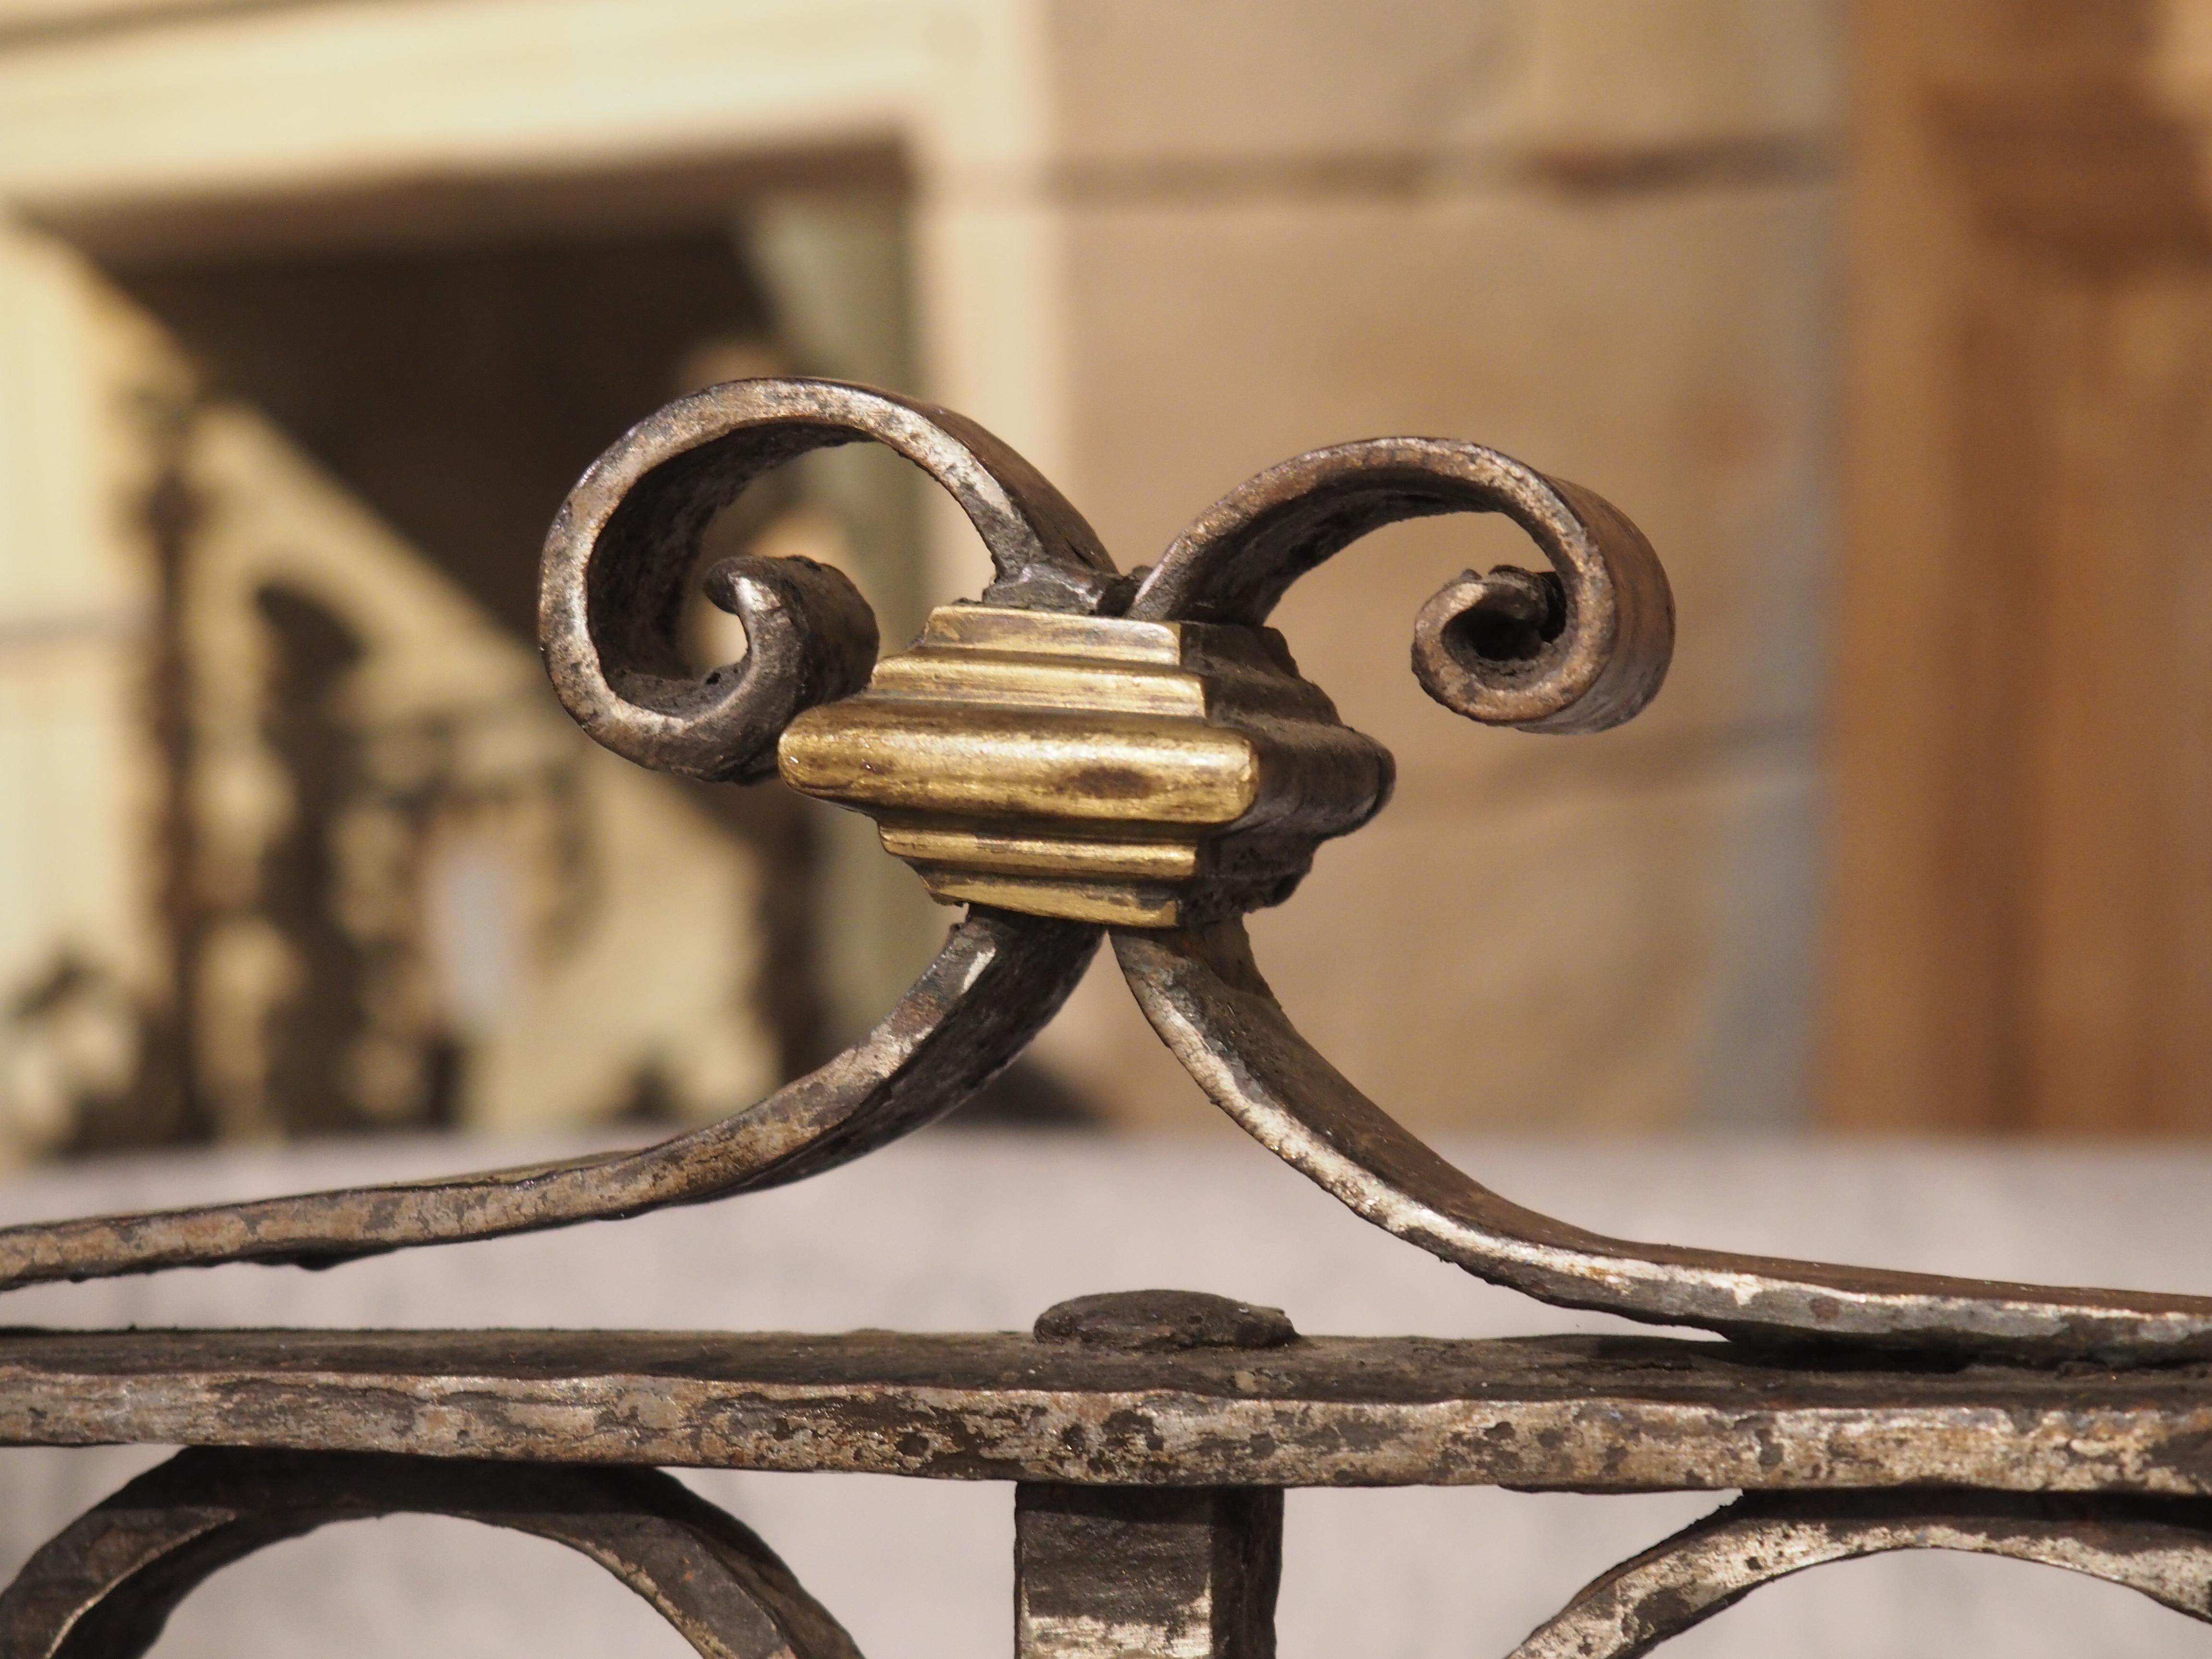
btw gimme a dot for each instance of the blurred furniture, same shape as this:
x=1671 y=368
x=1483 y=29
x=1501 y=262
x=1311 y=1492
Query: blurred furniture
x=2023 y=895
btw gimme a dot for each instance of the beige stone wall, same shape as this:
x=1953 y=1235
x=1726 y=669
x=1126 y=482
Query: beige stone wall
x=1599 y=237
x=1158 y=246
x=575 y=923
x=73 y=748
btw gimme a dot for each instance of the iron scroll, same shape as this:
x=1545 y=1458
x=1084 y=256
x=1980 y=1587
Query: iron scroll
x=1178 y=773
x=1083 y=755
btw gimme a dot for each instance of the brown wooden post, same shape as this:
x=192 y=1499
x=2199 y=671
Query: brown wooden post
x=2024 y=852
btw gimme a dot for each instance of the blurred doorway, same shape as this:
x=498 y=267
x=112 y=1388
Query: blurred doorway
x=395 y=889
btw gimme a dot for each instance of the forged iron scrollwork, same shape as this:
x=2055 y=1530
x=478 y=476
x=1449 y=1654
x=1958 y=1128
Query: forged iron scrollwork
x=614 y=570
x=104 y=1587
x=1580 y=648
x=2159 y=1546
x=995 y=983
x=1083 y=753
x=1204 y=995
x=1083 y=750
x=620 y=557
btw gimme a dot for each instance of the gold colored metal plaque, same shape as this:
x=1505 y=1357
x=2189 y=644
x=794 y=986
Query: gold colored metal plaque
x=1139 y=774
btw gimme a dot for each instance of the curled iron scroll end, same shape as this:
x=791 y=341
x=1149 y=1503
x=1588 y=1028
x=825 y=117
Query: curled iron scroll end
x=810 y=639
x=619 y=561
x=613 y=579
x=1580 y=648
x=2161 y=1547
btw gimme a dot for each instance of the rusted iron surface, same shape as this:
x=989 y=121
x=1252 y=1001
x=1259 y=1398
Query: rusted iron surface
x=1161 y=1322
x=2161 y=1546
x=1567 y=1412
x=1117 y=1572
x=103 y=1587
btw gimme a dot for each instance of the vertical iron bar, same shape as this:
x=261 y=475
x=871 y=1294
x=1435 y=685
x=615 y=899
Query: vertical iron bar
x=1120 y=1573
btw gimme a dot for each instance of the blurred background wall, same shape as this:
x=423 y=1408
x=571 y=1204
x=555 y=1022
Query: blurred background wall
x=310 y=311
x=2023 y=892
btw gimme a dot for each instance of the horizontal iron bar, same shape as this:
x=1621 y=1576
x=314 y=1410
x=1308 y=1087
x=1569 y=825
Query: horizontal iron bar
x=1587 y=1413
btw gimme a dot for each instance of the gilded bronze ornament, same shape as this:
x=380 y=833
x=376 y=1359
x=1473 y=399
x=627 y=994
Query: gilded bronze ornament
x=1142 y=775
x=1083 y=754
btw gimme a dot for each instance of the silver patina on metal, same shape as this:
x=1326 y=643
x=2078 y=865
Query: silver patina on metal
x=1084 y=755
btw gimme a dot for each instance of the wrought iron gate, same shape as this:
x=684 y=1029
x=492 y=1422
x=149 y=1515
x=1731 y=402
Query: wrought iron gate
x=1084 y=755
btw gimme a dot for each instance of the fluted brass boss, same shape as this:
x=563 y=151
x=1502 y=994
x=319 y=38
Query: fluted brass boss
x=1139 y=774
